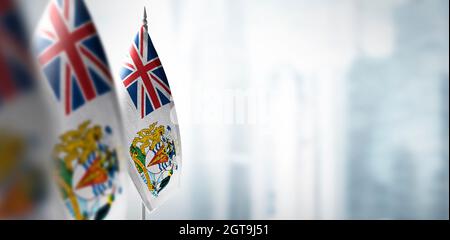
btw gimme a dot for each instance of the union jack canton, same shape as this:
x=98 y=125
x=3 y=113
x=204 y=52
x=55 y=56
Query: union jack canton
x=143 y=76
x=71 y=55
x=16 y=69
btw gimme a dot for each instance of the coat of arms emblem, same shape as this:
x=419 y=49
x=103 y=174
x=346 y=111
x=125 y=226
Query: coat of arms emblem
x=87 y=171
x=154 y=155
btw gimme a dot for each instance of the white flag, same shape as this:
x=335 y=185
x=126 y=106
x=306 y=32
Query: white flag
x=81 y=92
x=150 y=123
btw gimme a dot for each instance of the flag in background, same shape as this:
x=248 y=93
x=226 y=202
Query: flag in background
x=15 y=59
x=80 y=89
x=23 y=123
x=150 y=125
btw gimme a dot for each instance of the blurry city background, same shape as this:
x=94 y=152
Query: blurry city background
x=298 y=109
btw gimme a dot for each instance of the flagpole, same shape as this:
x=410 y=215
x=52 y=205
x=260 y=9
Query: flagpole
x=145 y=23
x=143 y=217
x=143 y=211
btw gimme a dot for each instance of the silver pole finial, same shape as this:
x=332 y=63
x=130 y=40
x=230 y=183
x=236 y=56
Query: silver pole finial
x=145 y=18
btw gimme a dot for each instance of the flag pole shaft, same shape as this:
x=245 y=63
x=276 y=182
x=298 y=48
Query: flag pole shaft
x=143 y=211
x=144 y=22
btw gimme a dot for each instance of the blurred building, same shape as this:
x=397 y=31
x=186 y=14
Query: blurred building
x=395 y=124
x=442 y=178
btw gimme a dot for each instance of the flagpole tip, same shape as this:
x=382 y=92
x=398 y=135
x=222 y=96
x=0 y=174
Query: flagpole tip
x=145 y=18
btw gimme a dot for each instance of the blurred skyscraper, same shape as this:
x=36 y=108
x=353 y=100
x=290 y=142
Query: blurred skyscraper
x=240 y=133
x=394 y=128
x=442 y=205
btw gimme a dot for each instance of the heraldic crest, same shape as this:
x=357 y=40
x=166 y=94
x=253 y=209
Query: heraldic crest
x=87 y=171
x=154 y=155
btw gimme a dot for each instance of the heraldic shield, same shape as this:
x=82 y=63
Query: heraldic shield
x=87 y=171
x=155 y=157
x=153 y=152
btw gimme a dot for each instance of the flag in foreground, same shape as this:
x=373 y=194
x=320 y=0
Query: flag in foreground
x=151 y=128
x=79 y=84
x=23 y=123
